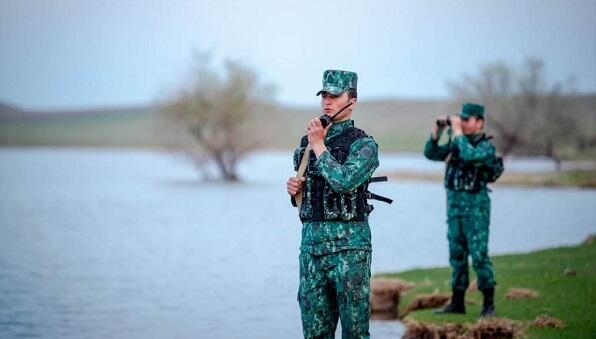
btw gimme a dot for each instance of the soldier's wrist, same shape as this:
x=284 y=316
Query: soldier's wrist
x=319 y=149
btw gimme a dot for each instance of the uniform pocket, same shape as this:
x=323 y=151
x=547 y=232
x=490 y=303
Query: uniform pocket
x=356 y=277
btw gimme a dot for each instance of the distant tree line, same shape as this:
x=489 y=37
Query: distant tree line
x=527 y=114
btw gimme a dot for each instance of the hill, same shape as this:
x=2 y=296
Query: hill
x=396 y=124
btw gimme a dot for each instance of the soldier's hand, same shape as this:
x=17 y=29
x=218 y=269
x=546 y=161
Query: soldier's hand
x=316 y=135
x=456 y=124
x=294 y=185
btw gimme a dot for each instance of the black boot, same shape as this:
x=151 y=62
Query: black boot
x=456 y=305
x=488 y=307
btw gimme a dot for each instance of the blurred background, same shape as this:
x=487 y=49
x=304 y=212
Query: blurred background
x=145 y=148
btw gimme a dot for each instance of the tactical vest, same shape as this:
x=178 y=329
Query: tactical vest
x=320 y=202
x=460 y=176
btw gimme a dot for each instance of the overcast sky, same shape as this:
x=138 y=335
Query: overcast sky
x=76 y=53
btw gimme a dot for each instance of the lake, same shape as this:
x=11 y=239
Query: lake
x=130 y=244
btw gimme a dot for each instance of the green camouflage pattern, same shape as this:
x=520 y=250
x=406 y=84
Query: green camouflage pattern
x=468 y=236
x=335 y=286
x=468 y=212
x=335 y=256
x=325 y=237
x=463 y=150
x=336 y=81
x=470 y=109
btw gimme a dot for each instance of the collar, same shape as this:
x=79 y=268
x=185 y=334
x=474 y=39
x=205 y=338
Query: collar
x=339 y=127
x=476 y=137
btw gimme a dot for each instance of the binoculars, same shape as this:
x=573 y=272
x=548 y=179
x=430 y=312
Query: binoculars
x=444 y=122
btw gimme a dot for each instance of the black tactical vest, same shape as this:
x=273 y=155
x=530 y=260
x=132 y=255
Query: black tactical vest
x=460 y=176
x=320 y=202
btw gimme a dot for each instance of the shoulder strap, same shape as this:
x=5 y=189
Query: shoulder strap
x=304 y=141
x=347 y=137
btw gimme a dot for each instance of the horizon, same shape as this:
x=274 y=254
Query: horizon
x=134 y=106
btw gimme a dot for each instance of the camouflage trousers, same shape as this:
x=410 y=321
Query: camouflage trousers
x=468 y=235
x=333 y=286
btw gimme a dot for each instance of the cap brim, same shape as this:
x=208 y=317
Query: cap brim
x=469 y=115
x=331 y=90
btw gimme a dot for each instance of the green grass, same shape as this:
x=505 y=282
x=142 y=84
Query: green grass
x=573 y=178
x=569 y=298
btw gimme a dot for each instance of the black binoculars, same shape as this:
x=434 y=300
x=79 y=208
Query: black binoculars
x=444 y=122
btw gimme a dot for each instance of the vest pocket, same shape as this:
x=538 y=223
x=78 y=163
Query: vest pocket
x=331 y=203
x=348 y=206
x=307 y=204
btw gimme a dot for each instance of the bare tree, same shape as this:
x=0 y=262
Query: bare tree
x=526 y=114
x=221 y=112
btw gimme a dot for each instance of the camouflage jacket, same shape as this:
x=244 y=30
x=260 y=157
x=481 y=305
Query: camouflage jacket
x=324 y=237
x=466 y=157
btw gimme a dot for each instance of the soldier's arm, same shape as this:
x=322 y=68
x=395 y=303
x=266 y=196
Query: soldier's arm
x=434 y=151
x=482 y=153
x=359 y=166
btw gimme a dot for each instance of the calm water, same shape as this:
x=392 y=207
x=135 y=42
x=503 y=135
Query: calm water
x=128 y=244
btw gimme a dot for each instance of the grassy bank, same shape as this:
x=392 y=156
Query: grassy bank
x=564 y=279
x=573 y=178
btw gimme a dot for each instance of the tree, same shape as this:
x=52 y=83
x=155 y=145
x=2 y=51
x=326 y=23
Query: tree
x=526 y=114
x=221 y=112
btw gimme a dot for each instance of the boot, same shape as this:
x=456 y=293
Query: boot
x=488 y=307
x=456 y=305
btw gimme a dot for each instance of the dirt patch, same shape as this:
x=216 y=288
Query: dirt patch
x=426 y=301
x=385 y=297
x=418 y=330
x=484 y=329
x=496 y=328
x=546 y=321
x=382 y=284
x=521 y=293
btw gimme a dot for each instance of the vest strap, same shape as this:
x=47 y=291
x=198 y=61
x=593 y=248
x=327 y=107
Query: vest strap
x=373 y=196
x=378 y=179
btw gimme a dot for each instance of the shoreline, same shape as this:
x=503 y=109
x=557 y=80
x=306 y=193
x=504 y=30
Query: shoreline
x=585 y=179
x=551 y=284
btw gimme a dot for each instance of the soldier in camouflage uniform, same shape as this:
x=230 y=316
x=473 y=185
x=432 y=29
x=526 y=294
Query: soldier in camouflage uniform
x=469 y=155
x=335 y=251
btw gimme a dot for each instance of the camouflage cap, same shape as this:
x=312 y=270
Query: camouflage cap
x=336 y=81
x=470 y=109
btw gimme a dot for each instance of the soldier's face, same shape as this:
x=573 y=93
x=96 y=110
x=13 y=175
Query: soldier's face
x=472 y=125
x=332 y=103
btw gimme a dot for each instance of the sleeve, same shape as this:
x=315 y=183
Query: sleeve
x=359 y=166
x=481 y=154
x=434 y=151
